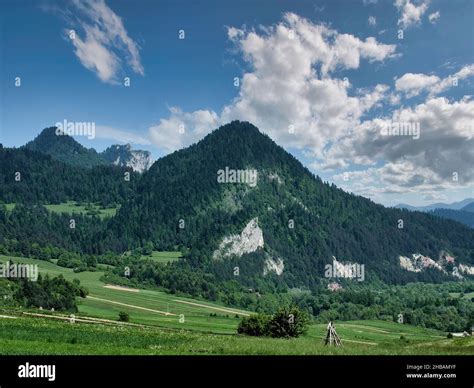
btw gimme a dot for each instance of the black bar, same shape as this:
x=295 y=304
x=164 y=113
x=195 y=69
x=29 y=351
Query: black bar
x=328 y=371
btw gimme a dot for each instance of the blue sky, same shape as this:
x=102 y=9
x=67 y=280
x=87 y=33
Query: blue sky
x=336 y=72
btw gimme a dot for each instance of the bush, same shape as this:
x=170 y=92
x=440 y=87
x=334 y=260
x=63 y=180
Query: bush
x=256 y=325
x=288 y=322
x=450 y=335
x=123 y=316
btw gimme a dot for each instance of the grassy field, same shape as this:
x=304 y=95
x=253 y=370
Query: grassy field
x=177 y=325
x=103 y=302
x=163 y=256
x=72 y=207
x=42 y=336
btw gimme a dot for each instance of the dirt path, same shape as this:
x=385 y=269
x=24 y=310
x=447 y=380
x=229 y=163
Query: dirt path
x=212 y=307
x=120 y=288
x=63 y=318
x=131 y=305
x=7 y=316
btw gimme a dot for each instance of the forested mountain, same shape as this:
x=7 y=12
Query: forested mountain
x=31 y=177
x=65 y=149
x=288 y=226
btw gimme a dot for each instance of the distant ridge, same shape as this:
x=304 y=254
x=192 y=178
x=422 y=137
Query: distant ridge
x=66 y=149
x=440 y=205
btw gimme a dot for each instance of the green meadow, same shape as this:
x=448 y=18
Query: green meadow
x=163 y=323
x=148 y=307
x=72 y=207
x=163 y=256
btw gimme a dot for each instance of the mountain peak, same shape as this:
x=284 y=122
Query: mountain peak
x=237 y=129
x=62 y=147
x=239 y=144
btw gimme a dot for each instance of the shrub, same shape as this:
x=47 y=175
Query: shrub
x=288 y=322
x=123 y=316
x=256 y=325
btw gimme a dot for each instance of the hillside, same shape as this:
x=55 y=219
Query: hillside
x=469 y=207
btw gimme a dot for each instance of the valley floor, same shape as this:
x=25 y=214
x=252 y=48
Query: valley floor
x=164 y=324
x=40 y=336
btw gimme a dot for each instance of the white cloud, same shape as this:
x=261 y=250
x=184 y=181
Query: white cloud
x=372 y=21
x=450 y=81
x=445 y=146
x=410 y=13
x=290 y=82
x=182 y=129
x=413 y=84
x=105 y=41
x=434 y=17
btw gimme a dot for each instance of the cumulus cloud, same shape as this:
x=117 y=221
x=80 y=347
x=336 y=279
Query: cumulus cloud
x=410 y=12
x=443 y=151
x=413 y=84
x=290 y=93
x=182 y=128
x=104 y=41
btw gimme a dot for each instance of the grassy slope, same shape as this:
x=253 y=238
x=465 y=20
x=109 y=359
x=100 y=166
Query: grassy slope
x=195 y=318
x=200 y=333
x=71 y=207
x=163 y=256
